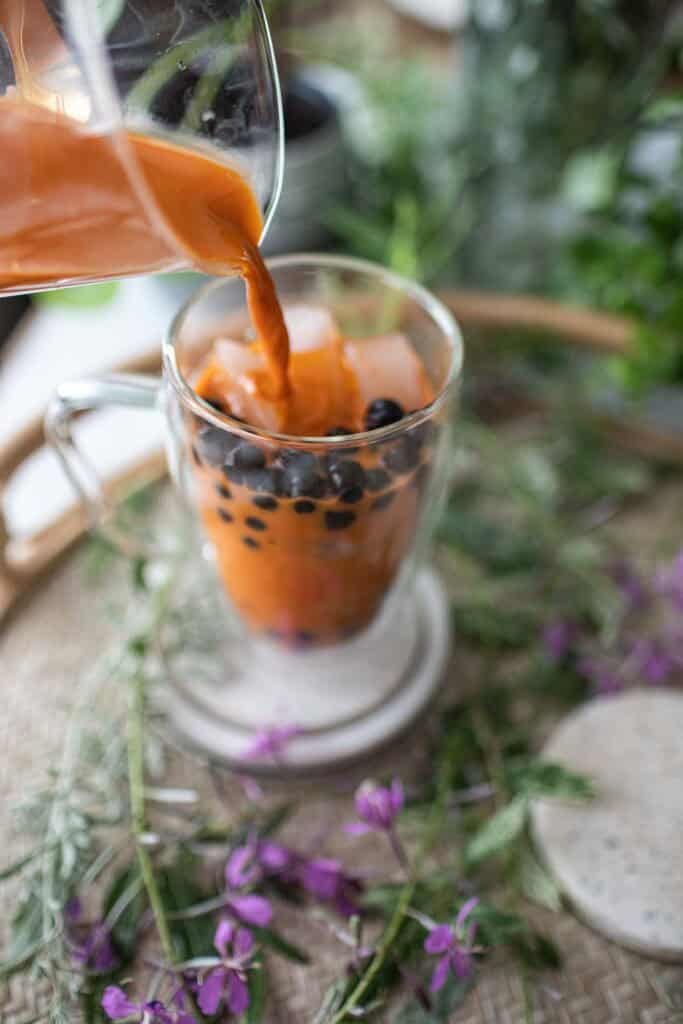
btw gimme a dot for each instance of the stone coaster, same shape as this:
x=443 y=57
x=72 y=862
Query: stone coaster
x=619 y=858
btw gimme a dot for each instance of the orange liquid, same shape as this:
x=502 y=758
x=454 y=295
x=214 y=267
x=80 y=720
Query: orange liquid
x=69 y=213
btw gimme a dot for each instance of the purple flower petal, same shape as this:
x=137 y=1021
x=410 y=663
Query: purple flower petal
x=558 y=639
x=439 y=939
x=242 y=868
x=186 y=1018
x=238 y=994
x=321 y=877
x=251 y=909
x=464 y=912
x=223 y=936
x=440 y=974
x=358 y=828
x=461 y=961
x=271 y=743
x=211 y=990
x=274 y=856
x=157 y=1012
x=397 y=796
x=116 y=1003
x=244 y=943
x=73 y=910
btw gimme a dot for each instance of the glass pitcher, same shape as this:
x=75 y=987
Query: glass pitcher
x=128 y=131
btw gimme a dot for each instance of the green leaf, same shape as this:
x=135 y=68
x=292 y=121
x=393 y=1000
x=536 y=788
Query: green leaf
x=193 y=937
x=257 y=996
x=537 y=885
x=125 y=928
x=499 y=831
x=27 y=929
x=19 y=865
x=88 y=296
x=276 y=942
x=444 y=1003
x=538 y=952
x=493 y=626
x=497 y=927
x=536 y=777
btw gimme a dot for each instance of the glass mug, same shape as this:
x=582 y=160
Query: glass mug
x=80 y=82
x=317 y=618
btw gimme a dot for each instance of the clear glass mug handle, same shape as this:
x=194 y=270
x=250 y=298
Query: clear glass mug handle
x=89 y=394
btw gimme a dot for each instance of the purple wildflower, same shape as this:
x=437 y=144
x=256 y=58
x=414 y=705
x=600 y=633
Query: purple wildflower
x=558 y=639
x=378 y=807
x=91 y=944
x=271 y=744
x=118 y=1006
x=326 y=880
x=242 y=869
x=654 y=662
x=227 y=983
x=454 y=945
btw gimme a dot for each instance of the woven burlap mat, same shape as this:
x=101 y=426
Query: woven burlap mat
x=46 y=645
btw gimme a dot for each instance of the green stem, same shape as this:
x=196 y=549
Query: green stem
x=407 y=892
x=136 y=782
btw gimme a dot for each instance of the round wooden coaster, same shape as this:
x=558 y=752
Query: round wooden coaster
x=619 y=858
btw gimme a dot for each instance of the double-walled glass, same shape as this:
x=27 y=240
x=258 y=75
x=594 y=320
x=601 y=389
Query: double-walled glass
x=311 y=588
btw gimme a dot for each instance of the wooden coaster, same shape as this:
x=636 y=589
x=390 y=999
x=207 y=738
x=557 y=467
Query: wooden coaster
x=619 y=858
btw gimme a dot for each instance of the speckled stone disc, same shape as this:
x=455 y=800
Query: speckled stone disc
x=619 y=859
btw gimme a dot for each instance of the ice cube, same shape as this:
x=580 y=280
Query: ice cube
x=231 y=378
x=388 y=366
x=309 y=327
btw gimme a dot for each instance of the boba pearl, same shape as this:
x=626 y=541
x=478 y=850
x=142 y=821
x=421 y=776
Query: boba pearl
x=292 y=458
x=351 y=495
x=249 y=542
x=254 y=523
x=304 y=482
x=345 y=474
x=247 y=456
x=265 y=502
x=225 y=516
x=382 y=412
x=215 y=446
x=376 y=479
x=266 y=481
x=339 y=520
x=304 y=507
x=223 y=491
x=403 y=456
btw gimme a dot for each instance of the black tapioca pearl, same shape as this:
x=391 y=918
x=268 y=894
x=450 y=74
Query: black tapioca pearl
x=304 y=507
x=225 y=515
x=248 y=457
x=382 y=412
x=383 y=500
x=345 y=473
x=223 y=491
x=294 y=459
x=265 y=481
x=304 y=483
x=234 y=475
x=341 y=432
x=254 y=523
x=215 y=446
x=403 y=455
x=339 y=519
x=265 y=502
x=250 y=542
x=376 y=479
x=351 y=495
